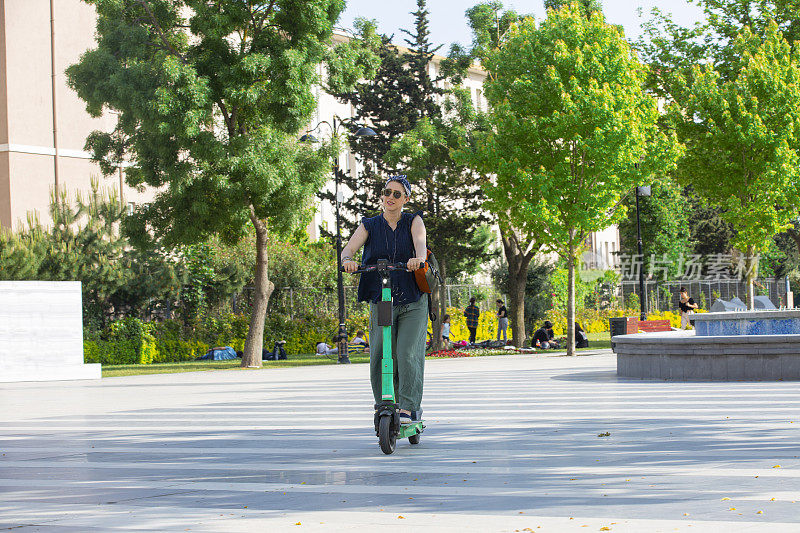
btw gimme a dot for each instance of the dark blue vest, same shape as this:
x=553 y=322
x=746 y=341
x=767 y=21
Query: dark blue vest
x=396 y=247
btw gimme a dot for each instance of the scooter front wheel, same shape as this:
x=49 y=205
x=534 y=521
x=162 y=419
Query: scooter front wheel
x=413 y=439
x=386 y=435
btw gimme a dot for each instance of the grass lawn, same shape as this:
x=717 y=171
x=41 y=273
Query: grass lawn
x=596 y=341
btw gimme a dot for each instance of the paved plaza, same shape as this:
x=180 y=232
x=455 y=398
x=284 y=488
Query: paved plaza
x=512 y=444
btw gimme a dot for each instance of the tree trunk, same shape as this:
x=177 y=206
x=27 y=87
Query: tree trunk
x=518 y=261
x=516 y=301
x=751 y=264
x=439 y=306
x=254 y=342
x=571 y=294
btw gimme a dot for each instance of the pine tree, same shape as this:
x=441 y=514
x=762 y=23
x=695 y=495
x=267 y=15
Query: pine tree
x=415 y=137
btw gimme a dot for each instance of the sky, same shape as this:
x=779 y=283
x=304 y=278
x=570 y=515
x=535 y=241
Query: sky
x=448 y=24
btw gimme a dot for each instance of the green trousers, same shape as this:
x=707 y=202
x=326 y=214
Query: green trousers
x=409 y=332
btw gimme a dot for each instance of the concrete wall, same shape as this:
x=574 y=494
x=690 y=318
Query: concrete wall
x=41 y=332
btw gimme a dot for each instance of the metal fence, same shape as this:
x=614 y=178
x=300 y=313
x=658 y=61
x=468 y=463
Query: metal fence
x=664 y=295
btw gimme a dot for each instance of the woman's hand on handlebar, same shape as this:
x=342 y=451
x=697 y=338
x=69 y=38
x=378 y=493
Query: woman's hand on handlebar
x=415 y=263
x=350 y=266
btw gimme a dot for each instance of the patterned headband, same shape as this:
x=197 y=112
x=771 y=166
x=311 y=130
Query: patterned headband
x=401 y=179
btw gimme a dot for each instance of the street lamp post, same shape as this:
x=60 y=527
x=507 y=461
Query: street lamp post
x=362 y=131
x=641 y=191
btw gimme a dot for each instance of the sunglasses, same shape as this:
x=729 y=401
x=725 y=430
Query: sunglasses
x=390 y=192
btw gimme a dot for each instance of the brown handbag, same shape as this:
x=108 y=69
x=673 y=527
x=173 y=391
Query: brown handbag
x=428 y=277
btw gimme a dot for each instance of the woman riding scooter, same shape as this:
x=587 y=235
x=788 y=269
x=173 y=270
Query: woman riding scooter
x=396 y=237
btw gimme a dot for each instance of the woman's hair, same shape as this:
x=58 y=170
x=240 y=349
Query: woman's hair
x=360 y=333
x=547 y=324
x=499 y=301
x=472 y=300
x=445 y=318
x=683 y=289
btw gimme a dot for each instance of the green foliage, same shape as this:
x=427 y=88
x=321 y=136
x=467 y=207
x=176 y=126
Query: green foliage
x=538 y=295
x=665 y=224
x=745 y=130
x=570 y=125
x=571 y=121
x=210 y=98
x=84 y=244
x=587 y=7
x=633 y=301
x=124 y=342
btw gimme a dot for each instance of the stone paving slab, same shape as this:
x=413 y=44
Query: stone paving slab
x=511 y=445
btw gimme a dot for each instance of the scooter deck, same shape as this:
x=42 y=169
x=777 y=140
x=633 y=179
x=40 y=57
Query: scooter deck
x=409 y=430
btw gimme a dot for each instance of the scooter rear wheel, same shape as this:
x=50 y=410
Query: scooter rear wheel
x=386 y=436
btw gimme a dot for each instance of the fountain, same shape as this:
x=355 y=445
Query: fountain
x=725 y=346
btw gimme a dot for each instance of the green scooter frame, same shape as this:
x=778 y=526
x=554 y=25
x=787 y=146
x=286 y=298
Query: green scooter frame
x=387 y=419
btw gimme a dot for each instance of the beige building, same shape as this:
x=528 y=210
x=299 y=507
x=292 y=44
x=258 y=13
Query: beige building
x=43 y=123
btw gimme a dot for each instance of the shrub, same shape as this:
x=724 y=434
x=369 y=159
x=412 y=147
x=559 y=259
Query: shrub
x=125 y=342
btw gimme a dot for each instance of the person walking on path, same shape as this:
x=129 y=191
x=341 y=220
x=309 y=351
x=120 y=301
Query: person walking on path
x=502 y=320
x=472 y=313
x=445 y=336
x=687 y=307
x=396 y=237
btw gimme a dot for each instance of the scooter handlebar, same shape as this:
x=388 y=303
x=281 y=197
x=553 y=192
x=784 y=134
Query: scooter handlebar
x=375 y=268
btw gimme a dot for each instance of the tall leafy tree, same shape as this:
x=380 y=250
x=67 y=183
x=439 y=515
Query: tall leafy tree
x=744 y=128
x=571 y=121
x=419 y=123
x=587 y=6
x=211 y=97
x=490 y=22
x=450 y=192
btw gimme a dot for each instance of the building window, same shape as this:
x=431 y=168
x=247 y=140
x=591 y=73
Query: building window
x=478 y=102
x=131 y=207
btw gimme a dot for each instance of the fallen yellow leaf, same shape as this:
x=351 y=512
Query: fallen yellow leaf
x=732 y=509
x=759 y=512
x=297 y=523
x=776 y=466
x=685 y=514
x=401 y=517
x=725 y=498
x=604 y=528
x=772 y=499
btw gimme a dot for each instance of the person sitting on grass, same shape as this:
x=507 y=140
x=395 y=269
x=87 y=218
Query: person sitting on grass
x=323 y=348
x=359 y=339
x=543 y=338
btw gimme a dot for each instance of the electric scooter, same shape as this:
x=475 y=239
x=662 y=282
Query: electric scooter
x=387 y=418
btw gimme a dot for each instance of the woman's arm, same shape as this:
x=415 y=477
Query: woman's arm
x=355 y=243
x=419 y=236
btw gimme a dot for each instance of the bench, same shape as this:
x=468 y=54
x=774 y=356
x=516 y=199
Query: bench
x=652 y=326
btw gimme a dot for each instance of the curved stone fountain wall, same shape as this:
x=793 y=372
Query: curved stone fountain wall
x=742 y=345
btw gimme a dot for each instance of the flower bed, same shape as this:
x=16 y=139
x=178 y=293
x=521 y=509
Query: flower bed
x=448 y=353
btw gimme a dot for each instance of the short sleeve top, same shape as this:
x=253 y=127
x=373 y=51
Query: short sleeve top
x=396 y=246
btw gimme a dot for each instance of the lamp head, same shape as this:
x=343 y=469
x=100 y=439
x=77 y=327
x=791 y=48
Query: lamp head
x=365 y=131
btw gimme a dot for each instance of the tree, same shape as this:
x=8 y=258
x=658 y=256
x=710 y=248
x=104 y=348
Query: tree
x=744 y=128
x=587 y=7
x=418 y=124
x=451 y=194
x=490 y=22
x=84 y=244
x=571 y=122
x=211 y=97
